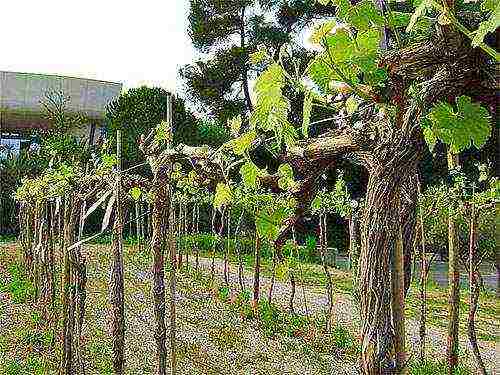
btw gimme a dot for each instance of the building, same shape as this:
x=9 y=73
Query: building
x=21 y=111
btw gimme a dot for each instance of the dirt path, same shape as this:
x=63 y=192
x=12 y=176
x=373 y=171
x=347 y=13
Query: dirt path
x=346 y=314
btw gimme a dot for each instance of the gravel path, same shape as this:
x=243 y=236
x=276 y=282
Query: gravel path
x=346 y=314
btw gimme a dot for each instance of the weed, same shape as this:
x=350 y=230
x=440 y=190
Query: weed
x=434 y=368
x=19 y=286
x=224 y=293
x=226 y=337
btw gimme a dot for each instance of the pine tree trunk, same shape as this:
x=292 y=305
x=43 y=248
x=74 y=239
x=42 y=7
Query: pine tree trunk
x=186 y=232
x=137 y=221
x=453 y=284
x=497 y=253
x=246 y=89
x=179 y=235
x=81 y=283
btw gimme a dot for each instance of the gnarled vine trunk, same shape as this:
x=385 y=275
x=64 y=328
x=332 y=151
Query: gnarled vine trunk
x=387 y=211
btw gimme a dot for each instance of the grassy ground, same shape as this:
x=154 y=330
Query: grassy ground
x=218 y=329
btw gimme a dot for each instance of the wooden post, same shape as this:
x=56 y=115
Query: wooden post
x=453 y=283
x=117 y=283
x=398 y=302
x=173 y=260
x=424 y=268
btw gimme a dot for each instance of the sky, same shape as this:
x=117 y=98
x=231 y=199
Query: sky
x=134 y=42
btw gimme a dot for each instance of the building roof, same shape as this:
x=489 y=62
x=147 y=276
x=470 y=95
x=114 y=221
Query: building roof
x=21 y=95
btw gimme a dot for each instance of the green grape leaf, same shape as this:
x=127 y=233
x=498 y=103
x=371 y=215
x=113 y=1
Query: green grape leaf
x=316 y=203
x=364 y=15
x=282 y=183
x=163 y=132
x=271 y=109
x=321 y=32
x=343 y=8
x=368 y=41
x=488 y=26
x=243 y=142
x=398 y=19
x=235 y=125
x=320 y=73
x=285 y=170
x=223 y=195
x=351 y=105
x=489 y=5
x=340 y=45
x=109 y=161
x=430 y=138
x=249 y=173
x=306 y=113
x=420 y=11
x=468 y=125
x=263 y=224
x=192 y=176
x=135 y=193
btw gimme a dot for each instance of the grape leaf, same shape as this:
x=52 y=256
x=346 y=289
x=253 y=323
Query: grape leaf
x=488 y=26
x=163 y=132
x=420 y=11
x=468 y=125
x=249 y=173
x=343 y=7
x=398 y=19
x=340 y=45
x=316 y=203
x=285 y=170
x=135 y=193
x=320 y=73
x=364 y=15
x=351 y=105
x=235 y=125
x=243 y=142
x=430 y=138
x=368 y=41
x=223 y=195
x=272 y=107
x=321 y=31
